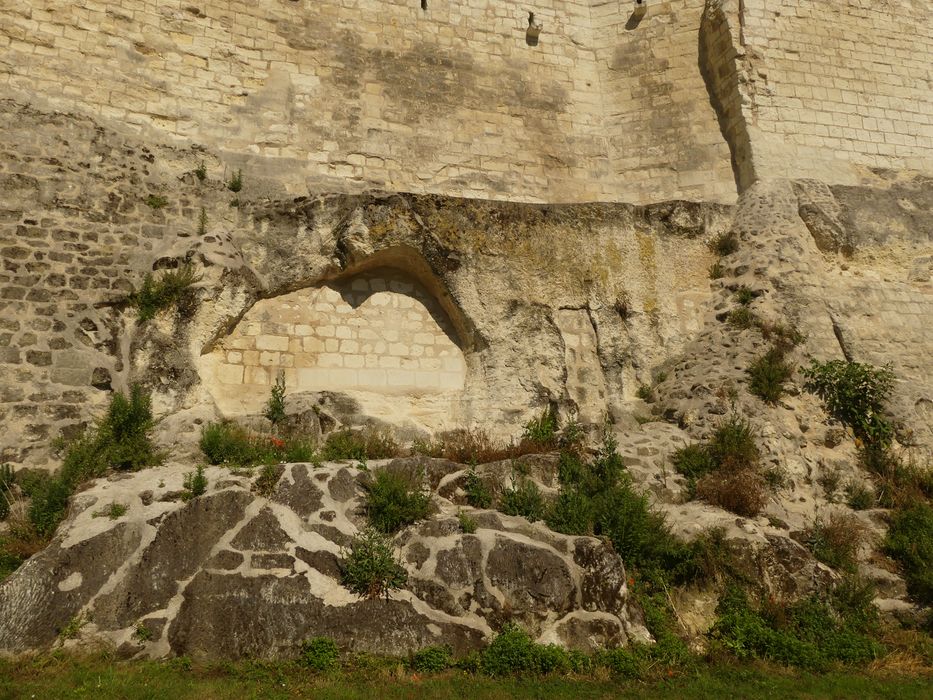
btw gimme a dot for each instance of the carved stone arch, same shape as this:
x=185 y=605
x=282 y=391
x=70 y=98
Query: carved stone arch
x=384 y=331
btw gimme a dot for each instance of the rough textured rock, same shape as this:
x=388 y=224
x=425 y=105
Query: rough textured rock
x=234 y=574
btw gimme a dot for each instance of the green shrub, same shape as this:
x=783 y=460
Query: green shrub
x=742 y=317
x=432 y=659
x=644 y=392
x=572 y=437
x=195 y=483
x=48 y=505
x=571 y=512
x=767 y=375
x=275 y=406
x=622 y=662
x=125 y=431
x=745 y=296
x=694 y=462
x=227 y=443
x=855 y=394
x=732 y=444
x=542 y=431
x=910 y=542
x=156 y=201
x=370 y=568
x=235 y=183
x=477 y=493
x=172 y=287
x=202 y=223
x=716 y=271
x=512 y=651
x=467 y=524
x=725 y=244
x=142 y=632
x=114 y=511
x=809 y=634
x=359 y=446
x=320 y=654
x=268 y=479
x=201 y=171
x=859 y=496
x=523 y=499
x=393 y=501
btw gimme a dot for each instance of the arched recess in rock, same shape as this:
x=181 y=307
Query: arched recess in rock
x=384 y=332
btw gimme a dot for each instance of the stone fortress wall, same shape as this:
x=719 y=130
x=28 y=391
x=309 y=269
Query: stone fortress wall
x=610 y=105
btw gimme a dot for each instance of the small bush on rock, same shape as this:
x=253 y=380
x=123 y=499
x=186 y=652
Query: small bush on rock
x=513 y=651
x=767 y=375
x=542 y=431
x=742 y=317
x=195 y=483
x=855 y=394
x=725 y=471
x=359 y=446
x=394 y=501
x=467 y=524
x=859 y=496
x=170 y=288
x=371 y=568
x=6 y=490
x=910 y=542
x=275 y=406
x=319 y=654
x=477 y=493
x=523 y=499
x=725 y=244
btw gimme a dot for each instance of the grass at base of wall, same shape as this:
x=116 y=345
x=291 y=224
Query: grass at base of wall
x=101 y=678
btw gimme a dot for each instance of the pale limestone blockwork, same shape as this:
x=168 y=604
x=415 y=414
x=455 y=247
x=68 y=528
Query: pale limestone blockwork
x=347 y=337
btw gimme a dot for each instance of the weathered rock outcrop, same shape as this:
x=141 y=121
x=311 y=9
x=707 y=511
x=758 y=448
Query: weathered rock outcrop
x=234 y=574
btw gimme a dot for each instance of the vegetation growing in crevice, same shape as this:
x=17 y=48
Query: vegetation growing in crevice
x=395 y=500
x=725 y=470
x=370 y=567
x=768 y=374
x=171 y=288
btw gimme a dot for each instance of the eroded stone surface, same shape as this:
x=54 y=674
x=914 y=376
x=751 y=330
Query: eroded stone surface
x=233 y=574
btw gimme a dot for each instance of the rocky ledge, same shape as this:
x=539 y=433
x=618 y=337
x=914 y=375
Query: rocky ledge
x=234 y=573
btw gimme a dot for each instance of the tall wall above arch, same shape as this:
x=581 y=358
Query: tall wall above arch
x=347 y=95
x=687 y=100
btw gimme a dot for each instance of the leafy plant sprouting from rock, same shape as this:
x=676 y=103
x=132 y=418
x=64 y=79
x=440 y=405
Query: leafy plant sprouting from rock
x=523 y=498
x=855 y=393
x=275 y=406
x=195 y=483
x=477 y=493
x=235 y=183
x=910 y=542
x=542 y=431
x=170 y=288
x=120 y=440
x=768 y=374
x=371 y=568
x=394 y=501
